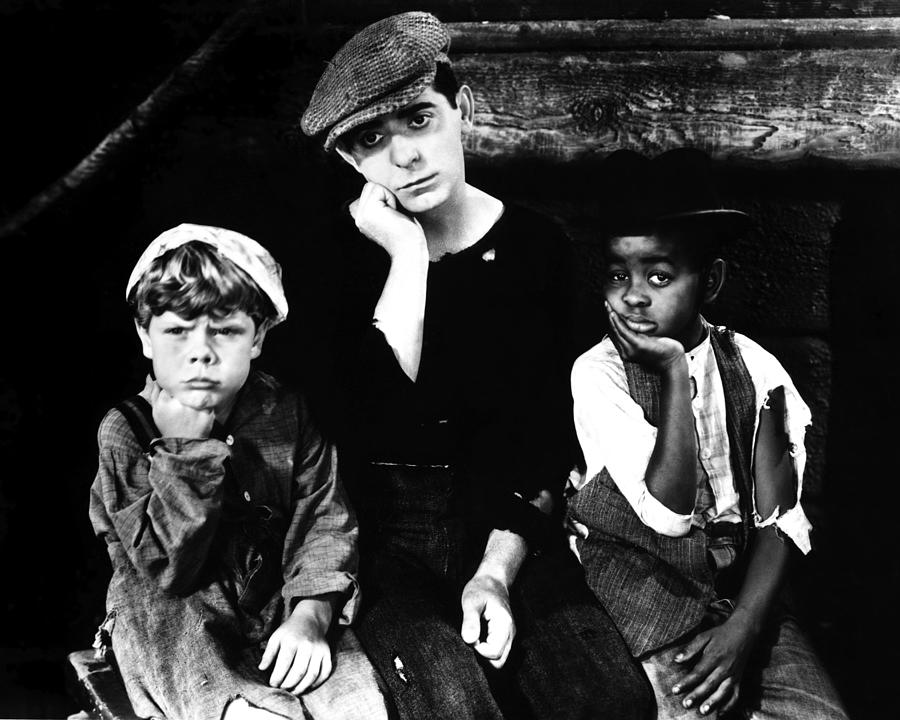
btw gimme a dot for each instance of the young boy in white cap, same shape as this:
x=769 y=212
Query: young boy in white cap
x=232 y=544
x=689 y=510
x=456 y=364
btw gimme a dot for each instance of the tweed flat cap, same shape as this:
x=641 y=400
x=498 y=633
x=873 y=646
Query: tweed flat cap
x=379 y=70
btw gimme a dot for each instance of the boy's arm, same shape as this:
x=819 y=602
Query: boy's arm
x=671 y=475
x=721 y=654
x=299 y=648
x=320 y=554
x=163 y=507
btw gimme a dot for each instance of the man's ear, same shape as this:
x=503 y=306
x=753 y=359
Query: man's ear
x=348 y=158
x=256 y=348
x=146 y=345
x=465 y=101
x=715 y=280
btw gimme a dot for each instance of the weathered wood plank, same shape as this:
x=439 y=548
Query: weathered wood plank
x=775 y=106
x=468 y=37
x=364 y=11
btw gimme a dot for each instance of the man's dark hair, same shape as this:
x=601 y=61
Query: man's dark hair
x=445 y=82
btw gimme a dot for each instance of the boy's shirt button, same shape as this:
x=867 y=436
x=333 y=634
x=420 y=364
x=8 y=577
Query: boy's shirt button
x=229 y=440
x=706 y=453
x=246 y=495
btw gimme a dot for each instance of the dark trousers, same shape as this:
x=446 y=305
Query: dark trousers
x=567 y=661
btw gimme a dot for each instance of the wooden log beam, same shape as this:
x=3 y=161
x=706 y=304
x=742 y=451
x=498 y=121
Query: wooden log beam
x=360 y=12
x=553 y=35
x=776 y=106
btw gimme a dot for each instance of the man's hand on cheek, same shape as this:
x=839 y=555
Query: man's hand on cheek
x=378 y=217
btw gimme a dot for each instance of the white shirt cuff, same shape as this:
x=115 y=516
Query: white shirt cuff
x=660 y=518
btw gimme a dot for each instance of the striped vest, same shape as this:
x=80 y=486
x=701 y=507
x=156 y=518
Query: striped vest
x=655 y=587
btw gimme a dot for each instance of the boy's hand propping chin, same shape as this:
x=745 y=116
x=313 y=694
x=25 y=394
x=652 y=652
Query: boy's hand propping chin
x=378 y=216
x=720 y=656
x=299 y=648
x=173 y=418
x=652 y=351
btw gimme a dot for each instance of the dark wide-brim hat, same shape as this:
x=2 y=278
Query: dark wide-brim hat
x=385 y=66
x=674 y=190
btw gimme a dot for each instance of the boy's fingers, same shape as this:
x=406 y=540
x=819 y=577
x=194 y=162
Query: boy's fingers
x=270 y=652
x=282 y=665
x=299 y=669
x=699 y=694
x=689 y=651
x=722 y=693
x=325 y=673
x=313 y=670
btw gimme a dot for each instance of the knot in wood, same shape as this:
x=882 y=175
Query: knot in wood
x=593 y=114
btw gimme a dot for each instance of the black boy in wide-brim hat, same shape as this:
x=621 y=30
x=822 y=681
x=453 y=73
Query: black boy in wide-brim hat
x=453 y=345
x=692 y=436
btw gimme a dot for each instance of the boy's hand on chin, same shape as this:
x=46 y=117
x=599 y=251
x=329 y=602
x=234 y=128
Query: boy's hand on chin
x=175 y=419
x=299 y=650
x=655 y=352
x=377 y=216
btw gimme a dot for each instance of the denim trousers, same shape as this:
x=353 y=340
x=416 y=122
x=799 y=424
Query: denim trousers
x=567 y=661
x=784 y=680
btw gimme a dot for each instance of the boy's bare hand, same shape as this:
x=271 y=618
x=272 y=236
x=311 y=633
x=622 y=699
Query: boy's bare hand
x=377 y=217
x=487 y=598
x=175 y=419
x=655 y=352
x=719 y=656
x=299 y=650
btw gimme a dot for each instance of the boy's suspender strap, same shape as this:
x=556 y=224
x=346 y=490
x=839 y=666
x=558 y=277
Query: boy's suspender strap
x=139 y=414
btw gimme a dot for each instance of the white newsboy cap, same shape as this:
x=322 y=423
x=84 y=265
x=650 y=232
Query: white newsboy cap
x=243 y=251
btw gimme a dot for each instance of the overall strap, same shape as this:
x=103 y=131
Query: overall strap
x=139 y=414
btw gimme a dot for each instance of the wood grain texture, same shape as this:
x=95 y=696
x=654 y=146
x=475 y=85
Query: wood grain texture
x=364 y=11
x=745 y=106
x=679 y=34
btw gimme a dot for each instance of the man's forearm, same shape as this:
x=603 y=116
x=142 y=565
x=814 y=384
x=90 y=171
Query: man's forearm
x=503 y=556
x=400 y=312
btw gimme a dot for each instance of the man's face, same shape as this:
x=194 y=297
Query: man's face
x=651 y=284
x=415 y=152
x=203 y=362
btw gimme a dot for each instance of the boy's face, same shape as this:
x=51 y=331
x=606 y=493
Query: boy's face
x=415 y=152
x=650 y=282
x=203 y=362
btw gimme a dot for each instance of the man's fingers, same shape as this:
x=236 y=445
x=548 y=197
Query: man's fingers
x=500 y=632
x=471 y=622
x=325 y=672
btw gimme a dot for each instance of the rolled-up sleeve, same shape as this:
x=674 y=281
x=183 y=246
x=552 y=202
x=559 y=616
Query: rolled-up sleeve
x=768 y=374
x=614 y=434
x=163 y=506
x=320 y=549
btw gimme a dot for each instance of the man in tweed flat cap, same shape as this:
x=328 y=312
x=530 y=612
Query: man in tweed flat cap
x=454 y=357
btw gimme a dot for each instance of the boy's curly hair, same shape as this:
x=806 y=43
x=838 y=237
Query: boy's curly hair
x=192 y=280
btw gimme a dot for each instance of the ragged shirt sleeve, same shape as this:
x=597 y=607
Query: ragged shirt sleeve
x=768 y=374
x=320 y=550
x=163 y=506
x=614 y=434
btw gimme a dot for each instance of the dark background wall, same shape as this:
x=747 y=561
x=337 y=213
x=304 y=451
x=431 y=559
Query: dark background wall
x=798 y=103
